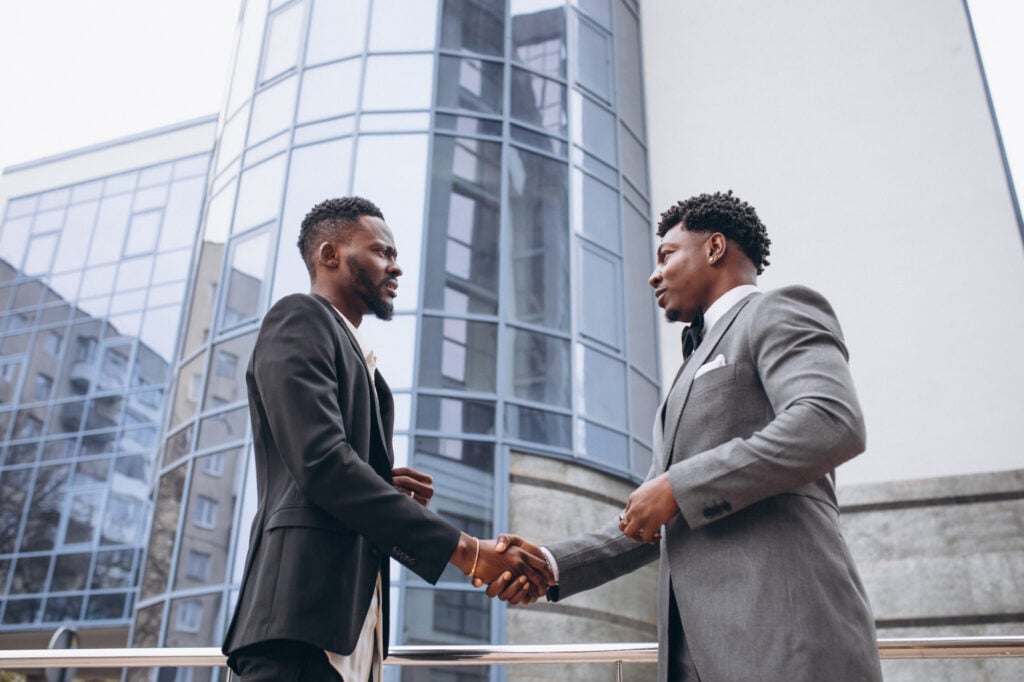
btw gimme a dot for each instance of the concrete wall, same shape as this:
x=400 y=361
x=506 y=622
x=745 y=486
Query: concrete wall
x=552 y=500
x=942 y=557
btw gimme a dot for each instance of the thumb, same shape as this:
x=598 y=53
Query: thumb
x=503 y=542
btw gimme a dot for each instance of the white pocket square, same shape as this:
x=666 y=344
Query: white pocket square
x=719 y=361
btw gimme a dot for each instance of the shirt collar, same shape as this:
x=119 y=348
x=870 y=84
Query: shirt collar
x=364 y=346
x=724 y=304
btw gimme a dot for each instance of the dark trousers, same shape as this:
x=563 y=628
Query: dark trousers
x=680 y=661
x=284 y=660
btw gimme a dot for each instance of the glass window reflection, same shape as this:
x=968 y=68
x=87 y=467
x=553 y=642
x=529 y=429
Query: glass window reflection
x=281 y=49
x=399 y=82
x=595 y=130
x=464 y=225
x=594 y=59
x=259 y=194
x=539 y=368
x=472 y=84
x=272 y=110
x=226 y=383
x=453 y=415
x=402 y=25
x=596 y=210
x=539 y=102
x=538 y=426
x=474 y=26
x=458 y=354
x=640 y=304
x=600 y=295
x=603 y=394
x=604 y=445
x=338 y=29
x=538 y=198
x=538 y=35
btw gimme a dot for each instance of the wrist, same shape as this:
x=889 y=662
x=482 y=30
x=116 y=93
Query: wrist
x=465 y=553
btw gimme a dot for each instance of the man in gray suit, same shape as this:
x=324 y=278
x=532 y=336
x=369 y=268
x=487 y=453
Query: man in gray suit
x=756 y=581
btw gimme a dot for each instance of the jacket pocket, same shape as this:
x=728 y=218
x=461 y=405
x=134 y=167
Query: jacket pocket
x=304 y=517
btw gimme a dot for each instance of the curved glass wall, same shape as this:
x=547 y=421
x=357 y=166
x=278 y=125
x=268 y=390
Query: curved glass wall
x=504 y=142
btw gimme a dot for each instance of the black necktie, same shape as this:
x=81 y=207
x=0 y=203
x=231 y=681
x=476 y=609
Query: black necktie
x=693 y=334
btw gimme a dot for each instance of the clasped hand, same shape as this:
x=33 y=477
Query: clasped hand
x=516 y=572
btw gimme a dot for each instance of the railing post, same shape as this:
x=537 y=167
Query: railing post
x=618 y=671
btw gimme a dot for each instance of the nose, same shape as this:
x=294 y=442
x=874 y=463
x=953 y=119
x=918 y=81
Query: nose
x=655 y=279
x=394 y=269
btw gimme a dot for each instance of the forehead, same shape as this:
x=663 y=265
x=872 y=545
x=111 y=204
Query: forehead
x=679 y=237
x=373 y=229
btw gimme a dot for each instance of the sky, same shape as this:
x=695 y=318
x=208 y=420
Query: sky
x=78 y=73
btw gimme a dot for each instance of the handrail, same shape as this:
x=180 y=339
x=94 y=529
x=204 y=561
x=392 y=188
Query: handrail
x=494 y=654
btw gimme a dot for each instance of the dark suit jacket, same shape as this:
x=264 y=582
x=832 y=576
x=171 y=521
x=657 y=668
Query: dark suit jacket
x=763 y=581
x=327 y=517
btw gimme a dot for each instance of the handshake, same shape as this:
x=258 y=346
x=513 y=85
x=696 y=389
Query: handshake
x=513 y=569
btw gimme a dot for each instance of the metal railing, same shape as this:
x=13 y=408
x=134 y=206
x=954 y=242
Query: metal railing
x=495 y=654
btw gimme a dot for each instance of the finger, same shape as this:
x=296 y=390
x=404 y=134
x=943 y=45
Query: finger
x=499 y=585
x=504 y=541
x=413 y=474
x=407 y=484
x=478 y=582
x=514 y=589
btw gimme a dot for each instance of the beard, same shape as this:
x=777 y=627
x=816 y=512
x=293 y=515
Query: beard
x=371 y=293
x=671 y=315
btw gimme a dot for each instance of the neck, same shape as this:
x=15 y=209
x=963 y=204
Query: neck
x=727 y=284
x=351 y=313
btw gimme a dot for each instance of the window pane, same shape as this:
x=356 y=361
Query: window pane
x=538 y=426
x=595 y=129
x=538 y=197
x=153 y=197
x=603 y=398
x=110 y=228
x=600 y=296
x=464 y=226
x=471 y=84
x=538 y=101
x=474 y=26
x=329 y=91
x=628 y=79
x=458 y=354
x=317 y=172
x=399 y=190
x=39 y=255
x=193 y=621
x=538 y=35
x=399 y=82
x=455 y=416
x=633 y=159
x=640 y=304
x=30 y=575
x=596 y=210
x=403 y=25
x=284 y=31
x=447 y=617
x=226 y=427
x=13 y=239
x=113 y=569
x=181 y=216
x=74 y=238
x=272 y=110
x=124 y=520
x=155 y=324
x=642 y=457
x=248 y=53
x=594 y=59
x=47 y=221
x=259 y=194
x=643 y=407
x=540 y=368
x=142 y=233
x=45 y=509
x=605 y=446
x=338 y=29
x=226 y=383
x=597 y=9
x=164 y=529
x=245 y=280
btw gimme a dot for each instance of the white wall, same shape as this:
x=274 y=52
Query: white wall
x=861 y=133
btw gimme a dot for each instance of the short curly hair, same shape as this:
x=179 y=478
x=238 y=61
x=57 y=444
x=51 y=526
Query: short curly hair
x=725 y=213
x=330 y=217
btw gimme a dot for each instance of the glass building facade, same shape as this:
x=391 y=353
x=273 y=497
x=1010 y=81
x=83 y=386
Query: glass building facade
x=504 y=141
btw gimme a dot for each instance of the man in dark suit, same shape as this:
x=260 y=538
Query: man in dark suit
x=313 y=603
x=756 y=582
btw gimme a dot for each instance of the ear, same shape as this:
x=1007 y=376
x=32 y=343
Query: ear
x=717 y=245
x=328 y=254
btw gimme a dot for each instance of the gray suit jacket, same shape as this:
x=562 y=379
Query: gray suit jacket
x=764 y=583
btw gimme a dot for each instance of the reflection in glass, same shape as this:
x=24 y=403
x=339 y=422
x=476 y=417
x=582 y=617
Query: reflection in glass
x=633 y=160
x=13 y=493
x=643 y=405
x=472 y=84
x=74 y=239
x=594 y=59
x=596 y=210
x=161 y=537
x=539 y=102
x=113 y=569
x=446 y=617
x=226 y=383
x=458 y=354
x=284 y=31
x=531 y=138
x=538 y=426
x=392 y=343
x=464 y=226
x=245 y=278
x=105 y=607
x=595 y=129
x=329 y=91
x=70 y=572
x=39 y=254
x=538 y=198
x=628 y=77
x=467 y=125
x=225 y=427
x=453 y=415
x=539 y=367
x=474 y=26
x=600 y=296
x=538 y=35
x=338 y=29
x=399 y=82
x=111 y=223
x=181 y=215
x=48 y=497
x=30 y=574
x=603 y=445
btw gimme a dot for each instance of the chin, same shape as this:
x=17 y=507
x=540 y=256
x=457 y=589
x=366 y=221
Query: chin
x=671 y=315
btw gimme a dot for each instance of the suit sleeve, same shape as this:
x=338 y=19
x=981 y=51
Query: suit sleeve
x=294 y=365
x=796 y=345
x=592 y=559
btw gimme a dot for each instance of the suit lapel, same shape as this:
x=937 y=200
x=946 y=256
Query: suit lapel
x=677 y=396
